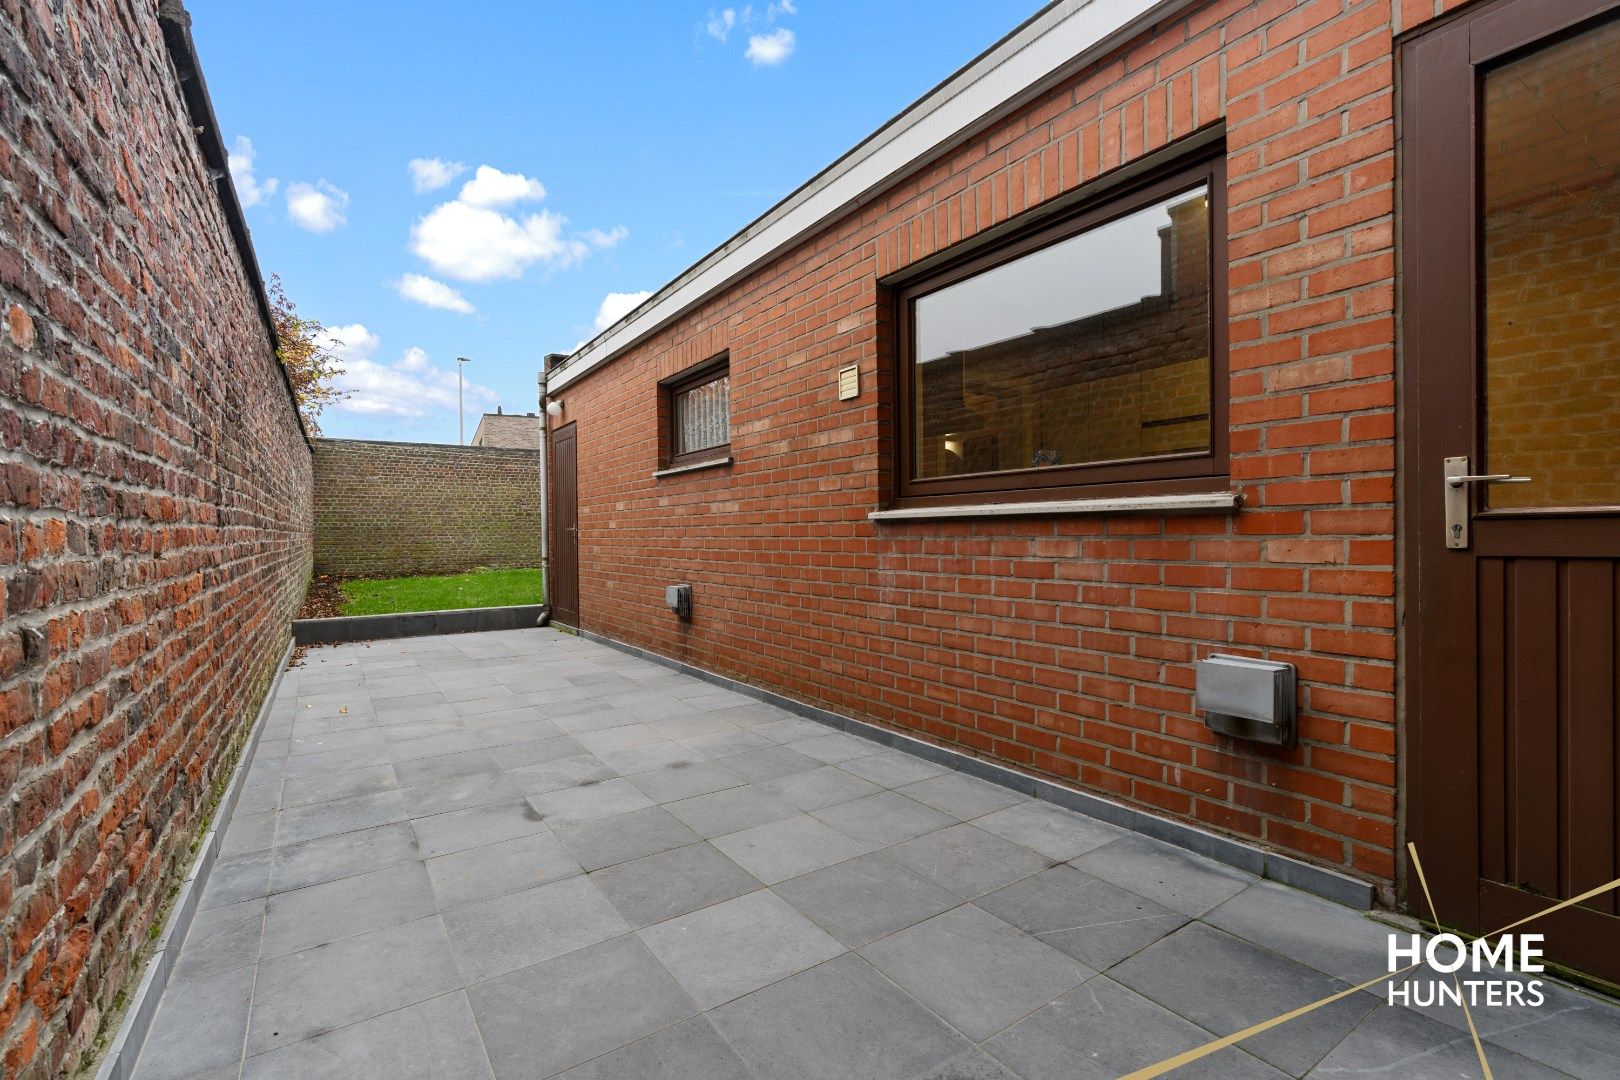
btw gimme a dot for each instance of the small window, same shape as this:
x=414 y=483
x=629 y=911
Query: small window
x=700 y=414
x=1088 y=352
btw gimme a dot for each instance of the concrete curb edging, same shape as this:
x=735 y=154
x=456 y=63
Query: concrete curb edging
x=414 y=624
x=1317 y=880
x=125 y=1048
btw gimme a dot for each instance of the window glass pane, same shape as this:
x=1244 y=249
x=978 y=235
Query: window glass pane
x=703 y=416
x=1552 y=264
x=1093 y=349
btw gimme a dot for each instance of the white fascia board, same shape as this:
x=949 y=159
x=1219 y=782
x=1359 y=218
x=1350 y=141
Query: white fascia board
x=1024 y=60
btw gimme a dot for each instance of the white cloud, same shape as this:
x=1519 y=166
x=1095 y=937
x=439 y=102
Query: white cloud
x=318 y=207
x=420 y=289
x=490 y=188
x=250 y=190
x=430 y=173
x=411 y=388
x=721 y=23
x=470 y=239
x=768 y=50
x=615 y=306
x=781 y=7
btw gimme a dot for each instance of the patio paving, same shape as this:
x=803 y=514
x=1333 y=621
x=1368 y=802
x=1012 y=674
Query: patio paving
x=522 y=855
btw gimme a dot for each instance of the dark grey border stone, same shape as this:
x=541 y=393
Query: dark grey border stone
x=125 y=1048
x=414 y=624
x=1317 y=880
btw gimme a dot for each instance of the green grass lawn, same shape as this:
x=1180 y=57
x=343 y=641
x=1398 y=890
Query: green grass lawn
x=478 y=588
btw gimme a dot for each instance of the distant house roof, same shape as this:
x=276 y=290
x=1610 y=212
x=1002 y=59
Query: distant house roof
x=510 y=431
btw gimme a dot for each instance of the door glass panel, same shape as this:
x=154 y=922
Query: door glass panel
x=1551 y=243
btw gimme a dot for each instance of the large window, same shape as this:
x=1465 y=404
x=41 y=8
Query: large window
x=699 y=410
x=1085 y=353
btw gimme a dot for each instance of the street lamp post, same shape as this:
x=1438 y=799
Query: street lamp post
x=461 y=405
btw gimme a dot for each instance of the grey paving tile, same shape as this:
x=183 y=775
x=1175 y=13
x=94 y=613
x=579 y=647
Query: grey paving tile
x=579 y=770
x=587 y=802
x=503 y=701
x=335 y=743
x=1224 y=984
x=432 y=770
x=884 y=818
x=359 y=757
x=609 y=840
x=221 y=938
x=339 y=816
x=235 y=878
x=769 y=763
x=536 y=752
x=443 y=796
x=259 y=798
x=893 y=768
x=543 y=1019
x=640 y=759
x=248 y=832
x=587 y=716
x=677 y=782
x=840 y=1020
x=304 y=994
x=777 y=725
x=1401 y=1042
x=505 y=933
x=1166 y=875
x=723 y=744
x=1051 y=830
x=975 y=1065
x=967 y=860
x=1318 y=933
x=199 y=1026
x=976 y=971
x=962 y=796
x=818 y=788
x=353 y=905
x=435 y=1039
x=329 y=858
x=688 y=723
x=865 y=898
x=692 y=1050
x=733 y=948
x=788 y=848
x=1102 y=1030
x=1096 y=923
x=445 y=743
x=670 y=883
x=836 y=747
x=305 y=790
x=728 y=811
x=509 y=866
x=475 y=826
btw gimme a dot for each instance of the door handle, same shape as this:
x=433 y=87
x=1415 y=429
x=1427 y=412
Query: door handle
x=1457 y=479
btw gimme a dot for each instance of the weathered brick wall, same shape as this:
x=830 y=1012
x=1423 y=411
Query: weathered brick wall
x=388 y=508
x=1066 y=646
x=155 y=533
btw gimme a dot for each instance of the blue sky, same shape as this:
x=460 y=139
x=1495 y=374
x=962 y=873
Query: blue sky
x=582 y=150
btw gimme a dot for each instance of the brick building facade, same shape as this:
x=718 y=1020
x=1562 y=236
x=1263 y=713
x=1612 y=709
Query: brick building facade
x=1063 y=642
x=392 y=508
x=155 y=536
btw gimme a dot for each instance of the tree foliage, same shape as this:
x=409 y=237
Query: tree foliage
x=312 y=367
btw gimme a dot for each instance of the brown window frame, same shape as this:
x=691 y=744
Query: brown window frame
x=710 y=370
x=1166 y=474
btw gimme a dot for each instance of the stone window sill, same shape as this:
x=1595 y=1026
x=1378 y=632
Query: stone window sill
x=713 y=463
x=1205 y=501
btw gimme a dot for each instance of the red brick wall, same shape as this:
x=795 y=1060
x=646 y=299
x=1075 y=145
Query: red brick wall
x=1065 y=646
x=389 y=508
x=155 y=531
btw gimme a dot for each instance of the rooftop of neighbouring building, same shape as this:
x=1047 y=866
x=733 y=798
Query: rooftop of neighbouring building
x=510 y=431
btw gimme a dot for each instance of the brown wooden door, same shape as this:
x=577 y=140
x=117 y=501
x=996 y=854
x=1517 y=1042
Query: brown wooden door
x=564 y=575
x=1510 y=217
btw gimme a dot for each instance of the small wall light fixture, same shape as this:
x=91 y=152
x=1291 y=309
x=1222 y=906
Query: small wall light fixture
x=554 y=408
